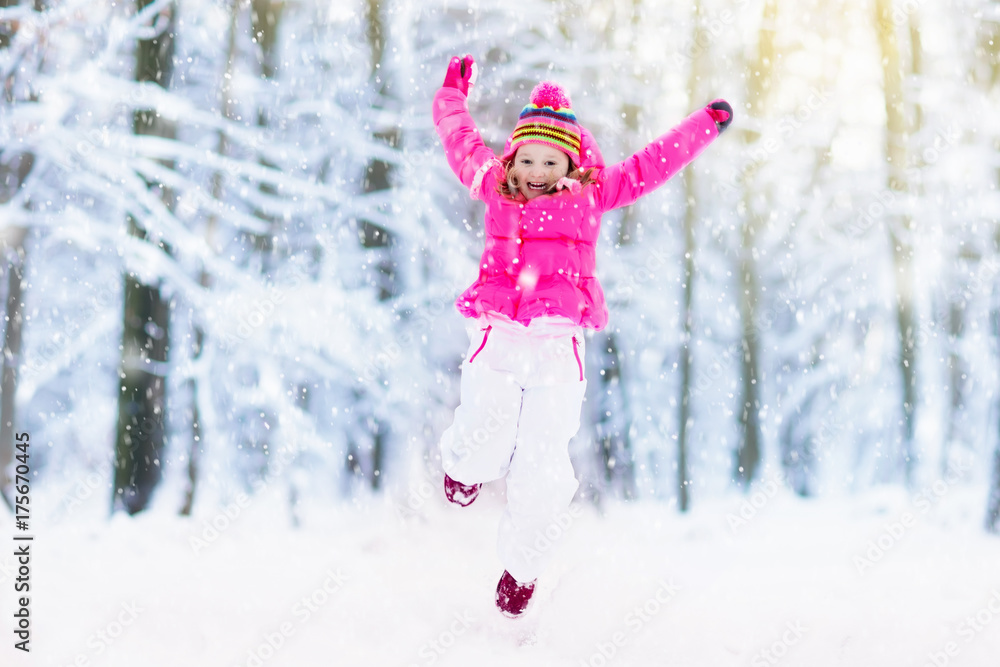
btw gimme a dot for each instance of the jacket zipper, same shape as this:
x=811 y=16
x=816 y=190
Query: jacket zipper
x=485 y=338
x=576 y=353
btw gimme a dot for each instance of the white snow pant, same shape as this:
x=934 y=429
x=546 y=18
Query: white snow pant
x=521 y=394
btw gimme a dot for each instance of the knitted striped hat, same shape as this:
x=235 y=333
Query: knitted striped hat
x=547 y=119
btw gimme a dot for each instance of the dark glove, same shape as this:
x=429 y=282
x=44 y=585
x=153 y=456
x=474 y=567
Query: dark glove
x=721 y=113
x=461 y=74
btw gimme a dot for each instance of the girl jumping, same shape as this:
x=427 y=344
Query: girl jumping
x=522 y=380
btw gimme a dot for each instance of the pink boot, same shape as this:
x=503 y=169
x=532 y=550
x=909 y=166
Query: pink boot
x=459 y=493
x=513 y=597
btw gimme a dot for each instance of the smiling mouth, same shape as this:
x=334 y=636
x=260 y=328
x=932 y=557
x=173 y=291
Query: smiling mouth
x=538 y=186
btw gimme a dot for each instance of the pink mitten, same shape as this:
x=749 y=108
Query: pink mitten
x=461 y=74
x=721 y=113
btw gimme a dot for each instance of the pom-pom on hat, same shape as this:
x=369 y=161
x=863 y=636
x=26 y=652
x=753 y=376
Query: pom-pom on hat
x=547 y=119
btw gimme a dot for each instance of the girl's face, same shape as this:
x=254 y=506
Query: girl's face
x=537 y=167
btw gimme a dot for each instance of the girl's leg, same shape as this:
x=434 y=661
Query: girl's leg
x=477 y=447
x=541 y=482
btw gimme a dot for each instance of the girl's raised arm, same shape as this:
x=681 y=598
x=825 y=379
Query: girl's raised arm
x=623 y=183
x=463 y=146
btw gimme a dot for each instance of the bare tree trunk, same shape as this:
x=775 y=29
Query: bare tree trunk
x=993 y=503
x=14 y=172
x=255 y=434
x=197 y=433
x=265 y=18
x=985 y=70
x=987 y=49
x=145 y=338
x=748 y=454
x=612 y=416
x=958 y=370
x=7 y=30
x=378 y=176
x=798 y=448
x=631 y=109
x=899 y=227
x=684 y=409
x=690 y=220
x=958 y=373
x=12 y=248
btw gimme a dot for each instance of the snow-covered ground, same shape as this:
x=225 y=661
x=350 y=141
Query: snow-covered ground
x=888 y=578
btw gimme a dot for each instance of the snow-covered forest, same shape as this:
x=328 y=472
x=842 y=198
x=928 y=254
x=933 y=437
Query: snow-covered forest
x=231 y=249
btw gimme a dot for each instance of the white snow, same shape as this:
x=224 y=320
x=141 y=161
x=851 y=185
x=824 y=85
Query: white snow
x=412 y=584
x=300 y=344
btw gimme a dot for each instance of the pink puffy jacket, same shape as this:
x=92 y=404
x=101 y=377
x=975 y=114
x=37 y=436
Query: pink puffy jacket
x=540 y=255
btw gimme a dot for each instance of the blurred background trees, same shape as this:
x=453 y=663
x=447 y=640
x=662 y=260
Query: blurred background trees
x=815 y=298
